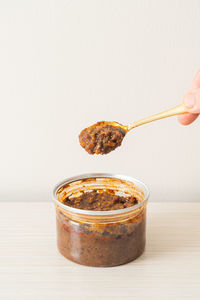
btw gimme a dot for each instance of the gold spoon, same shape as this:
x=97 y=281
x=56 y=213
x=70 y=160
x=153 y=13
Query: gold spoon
x=180 y=109
x=103 y=137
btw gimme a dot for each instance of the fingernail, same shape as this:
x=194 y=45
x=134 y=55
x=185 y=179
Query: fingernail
x=189 y=101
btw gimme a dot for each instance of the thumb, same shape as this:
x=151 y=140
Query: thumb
x=191 y=101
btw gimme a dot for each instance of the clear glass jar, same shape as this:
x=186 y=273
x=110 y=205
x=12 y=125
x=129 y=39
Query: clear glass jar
x=101 y=238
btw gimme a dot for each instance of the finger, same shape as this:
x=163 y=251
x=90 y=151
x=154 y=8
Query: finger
x=187 y=119
x=196 y=81
x=191 y=102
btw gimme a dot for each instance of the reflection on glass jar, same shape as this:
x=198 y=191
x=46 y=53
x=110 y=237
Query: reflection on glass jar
x=101 y=238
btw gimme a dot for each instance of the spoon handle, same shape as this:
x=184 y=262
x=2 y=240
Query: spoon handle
x=180 y=109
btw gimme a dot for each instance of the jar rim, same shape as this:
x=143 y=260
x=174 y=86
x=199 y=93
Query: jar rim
x=135 y=181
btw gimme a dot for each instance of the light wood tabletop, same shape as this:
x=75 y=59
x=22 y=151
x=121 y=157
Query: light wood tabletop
x=32 y=268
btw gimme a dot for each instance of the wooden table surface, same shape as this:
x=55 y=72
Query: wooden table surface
x=32 y=268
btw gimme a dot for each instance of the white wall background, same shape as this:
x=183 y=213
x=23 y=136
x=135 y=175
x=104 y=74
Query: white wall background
x=66 y=64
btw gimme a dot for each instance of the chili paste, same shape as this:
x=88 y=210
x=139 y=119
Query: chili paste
x=100 y=200
x=101 y=138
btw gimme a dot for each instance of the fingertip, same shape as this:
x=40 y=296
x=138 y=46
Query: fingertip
x=187 y=119
x=182 y=120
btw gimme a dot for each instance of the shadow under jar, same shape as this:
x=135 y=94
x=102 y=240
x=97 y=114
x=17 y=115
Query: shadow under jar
x=101 y=238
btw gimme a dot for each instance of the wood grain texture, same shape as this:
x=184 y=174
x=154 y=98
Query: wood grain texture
x=32 y=268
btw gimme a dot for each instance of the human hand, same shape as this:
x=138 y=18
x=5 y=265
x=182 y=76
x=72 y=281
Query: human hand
x=191 y=101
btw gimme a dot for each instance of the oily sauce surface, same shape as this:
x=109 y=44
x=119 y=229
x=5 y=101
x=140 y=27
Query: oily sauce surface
x=100 y=200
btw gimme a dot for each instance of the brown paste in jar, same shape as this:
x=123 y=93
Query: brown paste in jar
x=100 y=244
x=100 y=200
x=101 y=138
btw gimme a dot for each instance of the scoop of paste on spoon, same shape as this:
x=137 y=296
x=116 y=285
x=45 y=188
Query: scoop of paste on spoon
x=102 y=137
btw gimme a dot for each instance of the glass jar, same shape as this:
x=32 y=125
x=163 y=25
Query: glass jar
x=101 y=238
